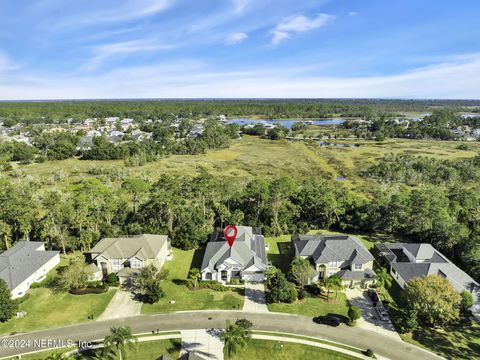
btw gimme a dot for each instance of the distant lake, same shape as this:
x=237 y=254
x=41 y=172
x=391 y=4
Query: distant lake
x=287 y=123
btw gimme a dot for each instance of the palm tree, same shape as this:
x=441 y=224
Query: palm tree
x=234 y=337
x=119 y=338
x=328 y=284
x=383 y=278
x=195 y=275
x=337 y=284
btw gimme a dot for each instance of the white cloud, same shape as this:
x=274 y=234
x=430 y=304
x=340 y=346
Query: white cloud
x=105 y=52
x=5 y=63
x=239 y=5
x=297 y=24
x=235 y=38
x=190 y=79
x=353 y=13
x=106 y=11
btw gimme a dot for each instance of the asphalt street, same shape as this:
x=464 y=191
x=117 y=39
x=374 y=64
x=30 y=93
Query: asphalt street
x=301 y=325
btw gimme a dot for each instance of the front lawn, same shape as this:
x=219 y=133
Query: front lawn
x=48 y=309
x=267 y=349
x=185 y=299
x=314 y=306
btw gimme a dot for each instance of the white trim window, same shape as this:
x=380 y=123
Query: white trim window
x=116 y=264
x=332 y=264
x=136 y=264
x=357 y=266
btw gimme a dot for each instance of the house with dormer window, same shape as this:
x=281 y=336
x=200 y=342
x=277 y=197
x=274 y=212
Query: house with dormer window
x=340 y=255
x=246 y=259
x=126 y=255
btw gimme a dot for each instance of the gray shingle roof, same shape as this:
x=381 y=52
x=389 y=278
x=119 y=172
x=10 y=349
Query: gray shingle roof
x=326 y=248
x=248 y=249
x=20 y=261
x=429 y=261
x=145 y=246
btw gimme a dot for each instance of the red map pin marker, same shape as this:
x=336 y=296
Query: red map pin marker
x=230 y=233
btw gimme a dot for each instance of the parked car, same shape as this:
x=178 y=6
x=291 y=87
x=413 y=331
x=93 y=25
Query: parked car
x=327 y=320
x=382 y=313
x=372 y=294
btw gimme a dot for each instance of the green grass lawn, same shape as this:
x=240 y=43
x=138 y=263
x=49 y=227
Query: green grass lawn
x=146 y=350
x=47 y=309
x=152 y=350
x=265 y=349
x=314 y=306
x=185 y=299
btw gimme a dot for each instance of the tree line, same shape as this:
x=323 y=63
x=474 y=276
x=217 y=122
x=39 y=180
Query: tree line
x=59 y=111
x=415 y=170
x=435 y=126
x=189 y=209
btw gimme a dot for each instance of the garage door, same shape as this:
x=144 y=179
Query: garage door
x=253 y=277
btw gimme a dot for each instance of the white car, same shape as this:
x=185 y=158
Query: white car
x=382 y=313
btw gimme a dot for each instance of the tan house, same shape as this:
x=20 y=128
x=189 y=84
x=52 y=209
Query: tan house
x=340 y=255
x=126 y=255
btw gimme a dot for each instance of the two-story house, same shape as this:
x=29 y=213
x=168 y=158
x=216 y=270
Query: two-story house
x=409 y=260
x=125 y=256
x=340 y=255
x=245 y=259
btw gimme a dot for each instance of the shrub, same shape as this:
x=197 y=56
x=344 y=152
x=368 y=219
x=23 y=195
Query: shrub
x=369 y=353
x=302 y=294
x=293 y=293
x=236 y=282
x=47 y=282
x=354 y=313
x=8 y=306
x=466 y=302
x=244 y=323
x=112 y=279
x=88 y=290
x=408 y=320
x=212 y=285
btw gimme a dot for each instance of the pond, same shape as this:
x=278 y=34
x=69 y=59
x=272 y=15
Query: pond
x=287 y=123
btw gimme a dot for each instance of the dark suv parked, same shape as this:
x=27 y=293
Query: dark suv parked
x=372 y=294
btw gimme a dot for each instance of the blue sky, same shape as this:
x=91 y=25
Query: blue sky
x=60 y=49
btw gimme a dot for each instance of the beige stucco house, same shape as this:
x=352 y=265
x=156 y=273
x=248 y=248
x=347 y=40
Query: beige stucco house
x=340 y=255
x=126 y=255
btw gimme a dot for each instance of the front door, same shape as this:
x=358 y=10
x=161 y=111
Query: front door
x=104 y=269
x=223 y=275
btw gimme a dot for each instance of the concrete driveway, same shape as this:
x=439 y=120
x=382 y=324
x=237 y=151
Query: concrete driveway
x=370 y=320
x=255 y=298
x=121 y=305
x=204 y=342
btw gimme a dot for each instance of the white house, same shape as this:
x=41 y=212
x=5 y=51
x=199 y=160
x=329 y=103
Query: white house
x=245 y=259
x=25 y=263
